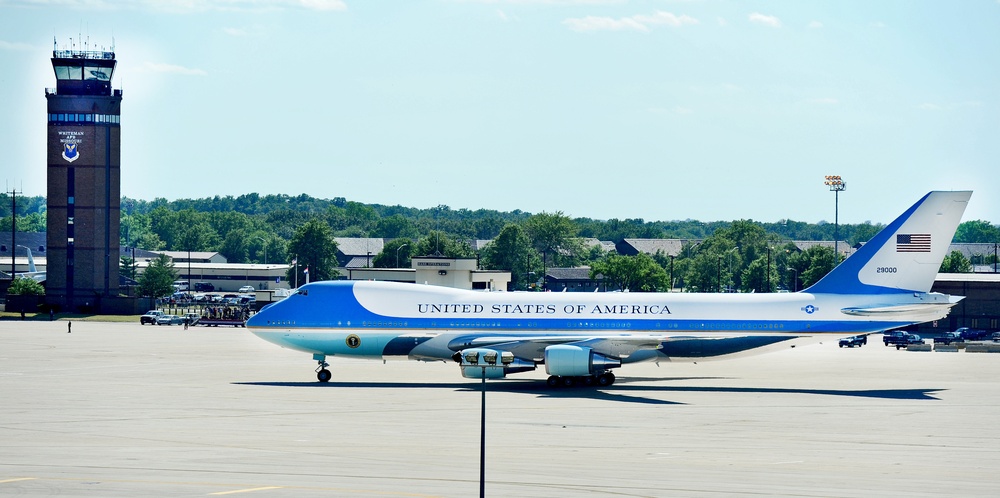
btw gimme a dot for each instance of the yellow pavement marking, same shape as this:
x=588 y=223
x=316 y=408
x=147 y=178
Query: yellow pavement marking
x=18 y=479
x=244 y=490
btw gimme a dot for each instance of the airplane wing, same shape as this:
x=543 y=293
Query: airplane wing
x=533 y=347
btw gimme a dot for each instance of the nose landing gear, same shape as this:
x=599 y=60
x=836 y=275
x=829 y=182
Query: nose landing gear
x=322 y=374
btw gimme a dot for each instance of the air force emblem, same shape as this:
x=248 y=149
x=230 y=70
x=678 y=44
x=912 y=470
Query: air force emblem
x=810 y=309
x=69 y=152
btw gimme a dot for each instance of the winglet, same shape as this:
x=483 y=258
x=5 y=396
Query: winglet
x=906 y=255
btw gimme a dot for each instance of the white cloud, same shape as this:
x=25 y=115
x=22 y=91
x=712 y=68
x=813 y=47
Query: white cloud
x=159 y=67
x=639 y=22
x=814 y=25
x=723 y=22
x=878 y=24
x=14 y=46
x=234 y=31
x=766 y=20
x=825 y=101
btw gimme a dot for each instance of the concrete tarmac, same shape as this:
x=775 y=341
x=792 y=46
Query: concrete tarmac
x=123 y=410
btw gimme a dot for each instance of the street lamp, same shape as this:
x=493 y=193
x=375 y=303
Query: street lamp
x=265 y=248
x=397 y=253
x=795 y=279
x=837 y=185
x=718 y=275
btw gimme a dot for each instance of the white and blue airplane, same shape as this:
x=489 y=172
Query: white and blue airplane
x=582 y=337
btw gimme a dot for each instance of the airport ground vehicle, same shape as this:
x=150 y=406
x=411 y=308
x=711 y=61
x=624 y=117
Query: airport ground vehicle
x=854 y=340
x=894 y=337
x=948 y=338
x=169 y=320
x=906 y=340
x=203 y=287
x=245 y=289
x=970 y=334
x=150 y=317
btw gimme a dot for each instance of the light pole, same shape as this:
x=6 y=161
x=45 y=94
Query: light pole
x=672 y=272
x=795 y=279
x=265 y=248
x=837 y=185
x=397 y=253
x=718 y=275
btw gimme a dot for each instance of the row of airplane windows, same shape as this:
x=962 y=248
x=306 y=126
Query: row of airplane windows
x=84 y=118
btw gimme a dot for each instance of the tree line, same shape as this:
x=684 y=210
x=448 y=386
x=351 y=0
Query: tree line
x=742 y=255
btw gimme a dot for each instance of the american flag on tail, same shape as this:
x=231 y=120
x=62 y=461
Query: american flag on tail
x=913 y=242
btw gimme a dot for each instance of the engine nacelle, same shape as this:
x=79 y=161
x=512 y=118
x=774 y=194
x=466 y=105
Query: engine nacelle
x=576 y=361
x=483 y=362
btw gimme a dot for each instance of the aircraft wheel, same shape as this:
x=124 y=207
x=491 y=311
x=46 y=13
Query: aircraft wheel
x=568 y=381
x=324 y=375
x=605 y=379
x=552 y=381
x=588 y=380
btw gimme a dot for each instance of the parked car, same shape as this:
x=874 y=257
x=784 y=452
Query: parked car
x=854 y=340
x=149 y=317
x=245 y=289
x=996 y=337
x=203 y=287
x=169 y=320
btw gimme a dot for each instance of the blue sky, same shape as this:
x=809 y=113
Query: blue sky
x=661 y=110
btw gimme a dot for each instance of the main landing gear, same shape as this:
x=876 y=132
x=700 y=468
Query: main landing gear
x=322 y=374
x=603 y=379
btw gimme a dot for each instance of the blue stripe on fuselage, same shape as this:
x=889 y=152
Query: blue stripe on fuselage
x=341 y=310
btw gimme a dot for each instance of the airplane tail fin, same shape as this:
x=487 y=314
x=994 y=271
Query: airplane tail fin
x=31 y=262
x=906 y=255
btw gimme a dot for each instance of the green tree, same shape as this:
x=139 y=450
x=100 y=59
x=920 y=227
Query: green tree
x=127 y=267
x=437 y=243
x=976 y=231
x=158 y=279
x=314 y=248
x=395 y=254
x=24 y=286
x=759 y=276
x=639 y=273
x=820 y=260
x=511 y=251
x=553 y=234
x=956 y=262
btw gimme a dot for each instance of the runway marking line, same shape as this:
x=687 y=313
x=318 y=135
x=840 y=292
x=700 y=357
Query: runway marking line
x=18 y=479
x=248 y=490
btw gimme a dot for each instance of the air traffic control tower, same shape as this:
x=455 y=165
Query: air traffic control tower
x=84 y=187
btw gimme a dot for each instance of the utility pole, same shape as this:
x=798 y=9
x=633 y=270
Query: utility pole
x=13 y=229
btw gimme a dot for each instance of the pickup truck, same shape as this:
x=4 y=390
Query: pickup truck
x=901 y=339
x=948 y=338
x=970 y=334
x=854 y=340
x=150 y=317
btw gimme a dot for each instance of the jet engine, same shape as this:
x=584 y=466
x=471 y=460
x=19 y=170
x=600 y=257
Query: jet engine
x=567 y=360
x=482 y=362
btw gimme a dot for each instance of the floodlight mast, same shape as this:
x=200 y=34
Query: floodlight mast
x=837 y=185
